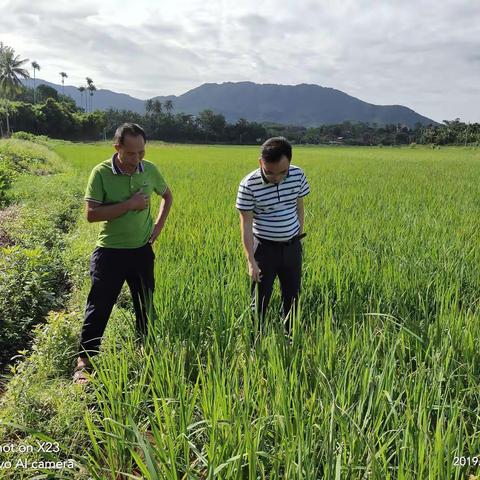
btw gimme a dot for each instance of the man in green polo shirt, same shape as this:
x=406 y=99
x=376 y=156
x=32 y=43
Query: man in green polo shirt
x=118 y=195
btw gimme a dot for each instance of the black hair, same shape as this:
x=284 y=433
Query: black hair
x=128 y=129
x=274 y=149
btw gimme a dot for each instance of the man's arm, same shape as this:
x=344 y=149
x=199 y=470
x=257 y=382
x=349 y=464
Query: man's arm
x=167 y=200
x=246 y=227
x=300 y=213
x=96 y=212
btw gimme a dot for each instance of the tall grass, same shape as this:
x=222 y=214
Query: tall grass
x=380 y=379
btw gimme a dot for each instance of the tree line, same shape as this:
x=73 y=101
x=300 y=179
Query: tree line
x=450 y=132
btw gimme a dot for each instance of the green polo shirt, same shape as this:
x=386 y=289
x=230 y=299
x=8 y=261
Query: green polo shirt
x=108 y=185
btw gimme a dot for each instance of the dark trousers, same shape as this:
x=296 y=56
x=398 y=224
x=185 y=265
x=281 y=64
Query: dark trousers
x=109 y=269
x=284 y=261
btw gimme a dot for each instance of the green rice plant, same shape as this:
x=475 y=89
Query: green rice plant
x=380 y=378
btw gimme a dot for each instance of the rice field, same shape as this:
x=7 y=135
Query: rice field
x=381 y=378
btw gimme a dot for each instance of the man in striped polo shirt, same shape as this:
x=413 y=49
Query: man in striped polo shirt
x=270 y=201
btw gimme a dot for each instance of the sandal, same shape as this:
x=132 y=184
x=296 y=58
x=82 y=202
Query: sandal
x=81 y=375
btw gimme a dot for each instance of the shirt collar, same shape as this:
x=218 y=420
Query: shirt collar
x=265 y=179
x=116 y=169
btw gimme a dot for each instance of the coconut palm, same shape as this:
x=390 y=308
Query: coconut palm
x=153 y=107
x=81 y=89
x=89 y=84
x=64 y=76
x=11 y=70
x=149 y=105
x=35 y=66
x=91 y=88
x=168 y=105
x=157 y=107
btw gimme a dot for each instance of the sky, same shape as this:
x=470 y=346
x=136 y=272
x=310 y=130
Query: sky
x=423 y=54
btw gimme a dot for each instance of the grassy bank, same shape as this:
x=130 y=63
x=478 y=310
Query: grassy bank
x=41 y=204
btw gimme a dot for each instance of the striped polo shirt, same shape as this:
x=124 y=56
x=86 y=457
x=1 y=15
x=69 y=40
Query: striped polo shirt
x=274 y=205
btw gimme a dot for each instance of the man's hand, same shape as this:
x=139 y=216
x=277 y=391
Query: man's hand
x=165 y=205
x=155 y=233
x=138 y=201
x=254 y=271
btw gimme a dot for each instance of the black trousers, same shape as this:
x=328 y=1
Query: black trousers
x=284 y=261
x=109 y=269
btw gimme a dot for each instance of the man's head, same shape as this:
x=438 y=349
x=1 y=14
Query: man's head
x=275 y=157
x=130 y=144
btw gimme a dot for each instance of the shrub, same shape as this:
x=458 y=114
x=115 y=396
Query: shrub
x=41 y=139
x=46 y=221
x=32 y=282
x=26 y=157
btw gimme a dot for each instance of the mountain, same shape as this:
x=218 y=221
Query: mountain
x=304 y=104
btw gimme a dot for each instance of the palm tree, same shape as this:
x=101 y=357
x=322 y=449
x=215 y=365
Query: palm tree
x=81 y=89
x=35 y=66
x=153 y=107
x=149 y=105
x=89 y=84
x=92 y=88
x=11 y=69
x=157 y=107
x=64 y=76
x=168 y=105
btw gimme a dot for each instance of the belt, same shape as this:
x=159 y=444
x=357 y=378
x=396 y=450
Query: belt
x=294 y=239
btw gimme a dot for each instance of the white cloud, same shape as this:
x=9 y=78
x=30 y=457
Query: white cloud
x=421 y=54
